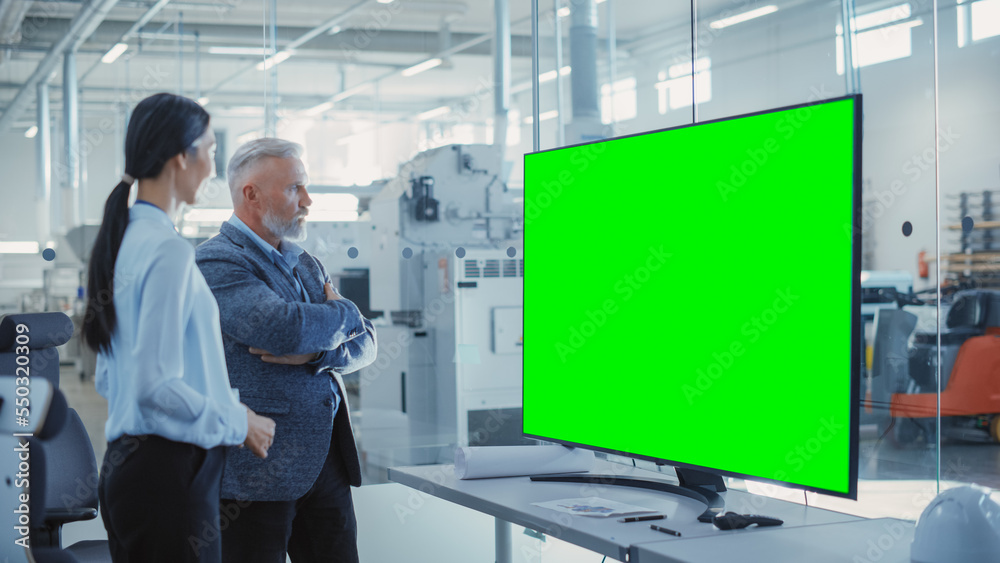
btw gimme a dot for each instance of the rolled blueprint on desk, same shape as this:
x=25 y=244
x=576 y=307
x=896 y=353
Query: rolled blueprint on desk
x=512 y=461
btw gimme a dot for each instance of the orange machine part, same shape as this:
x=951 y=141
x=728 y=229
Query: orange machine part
x=973 y=389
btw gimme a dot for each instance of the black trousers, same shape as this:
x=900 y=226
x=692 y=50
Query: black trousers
x=160 y=500
x=319 y=527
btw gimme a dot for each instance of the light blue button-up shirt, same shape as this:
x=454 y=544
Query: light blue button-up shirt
x=285 y=260
x=166 y=370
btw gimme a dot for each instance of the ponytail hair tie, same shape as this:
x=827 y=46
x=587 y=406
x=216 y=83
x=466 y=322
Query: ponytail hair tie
x=128 y=179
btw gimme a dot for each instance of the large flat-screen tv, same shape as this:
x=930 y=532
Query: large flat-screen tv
x=693 y=296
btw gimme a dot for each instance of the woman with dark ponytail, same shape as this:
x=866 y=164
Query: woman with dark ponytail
x=154 y=324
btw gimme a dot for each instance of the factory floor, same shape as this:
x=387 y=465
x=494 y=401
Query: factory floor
x=894 y=481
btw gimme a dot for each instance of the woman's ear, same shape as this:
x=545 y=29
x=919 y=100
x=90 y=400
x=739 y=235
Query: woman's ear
x=182 y=160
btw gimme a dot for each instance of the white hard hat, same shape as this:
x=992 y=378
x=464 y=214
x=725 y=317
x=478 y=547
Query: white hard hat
x=961 y=525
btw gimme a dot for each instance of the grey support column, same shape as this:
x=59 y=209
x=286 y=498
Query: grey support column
x=501 y=73
x=43 y=185
x=71 y=135
x=535 y=137
x=587 y=124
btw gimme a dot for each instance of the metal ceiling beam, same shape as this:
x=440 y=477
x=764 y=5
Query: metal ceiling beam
x=314 y=32
x=350 y=39
x=83 y=25
x=149 y=15
x=365 y=84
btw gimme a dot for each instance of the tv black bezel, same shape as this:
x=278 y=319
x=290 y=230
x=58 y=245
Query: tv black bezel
x=856 y=335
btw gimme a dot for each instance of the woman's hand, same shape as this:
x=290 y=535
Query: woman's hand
x=260 y=433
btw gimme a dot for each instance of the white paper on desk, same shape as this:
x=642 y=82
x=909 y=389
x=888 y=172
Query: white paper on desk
x=592 y=506
x=511 y=461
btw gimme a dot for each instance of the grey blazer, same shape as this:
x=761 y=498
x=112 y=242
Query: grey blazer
x=260 y=307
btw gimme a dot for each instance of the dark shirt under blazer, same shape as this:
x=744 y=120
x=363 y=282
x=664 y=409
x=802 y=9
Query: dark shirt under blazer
x=260 y=307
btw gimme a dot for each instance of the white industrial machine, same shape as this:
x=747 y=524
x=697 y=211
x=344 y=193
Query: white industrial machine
x=447 y=268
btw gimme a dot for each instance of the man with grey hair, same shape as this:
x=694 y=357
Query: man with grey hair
x=288 y=337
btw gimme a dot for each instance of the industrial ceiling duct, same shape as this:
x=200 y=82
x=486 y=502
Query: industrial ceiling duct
x=83 y=25
x=12 y=13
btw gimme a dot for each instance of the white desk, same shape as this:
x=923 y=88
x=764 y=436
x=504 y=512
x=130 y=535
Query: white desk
x=510 y=500
x=885 y=540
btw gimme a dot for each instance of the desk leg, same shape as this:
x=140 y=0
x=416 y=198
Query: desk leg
x=503 y=541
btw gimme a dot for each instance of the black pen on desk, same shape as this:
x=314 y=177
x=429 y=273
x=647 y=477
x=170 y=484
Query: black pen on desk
x=665 y=530
x=643 y=518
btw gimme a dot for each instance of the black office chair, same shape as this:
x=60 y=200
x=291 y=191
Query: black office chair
x=47 y=416
x=70 y=476
x=71 y=490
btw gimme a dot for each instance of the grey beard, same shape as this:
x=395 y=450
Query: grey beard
x=291 y=231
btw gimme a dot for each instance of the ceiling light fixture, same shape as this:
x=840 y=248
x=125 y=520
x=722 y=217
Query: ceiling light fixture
x=341 y=96
x=250 y=51
x=115 y=52
x=431 y=114
x=19 y=247
x=318 y=109
x=745 y=16
x=551 y=75
x=421 y=67
x=31 y=132
x=544 y=116
x=276 y=59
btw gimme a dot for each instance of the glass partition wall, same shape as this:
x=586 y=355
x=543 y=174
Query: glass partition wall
x=930 y=168
x=968 y=157
x=415 y=117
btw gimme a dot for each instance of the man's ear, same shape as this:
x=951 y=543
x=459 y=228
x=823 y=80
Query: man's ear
x=250 y=193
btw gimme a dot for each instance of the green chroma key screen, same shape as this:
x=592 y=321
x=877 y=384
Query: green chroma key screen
x=693 y=295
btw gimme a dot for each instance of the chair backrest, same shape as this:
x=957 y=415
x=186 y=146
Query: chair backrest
x=15 y=525
x=44 y=330
x=38 y=334
x=890 y=357
x=72 y=476
x=41 y=364
x=25 y=406
x=25 y=479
